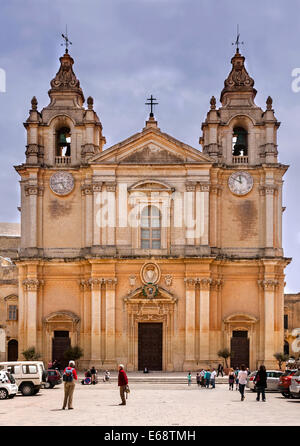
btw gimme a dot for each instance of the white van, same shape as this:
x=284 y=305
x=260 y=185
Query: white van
x=28 y=375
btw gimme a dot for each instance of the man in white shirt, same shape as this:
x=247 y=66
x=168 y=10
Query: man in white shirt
x=242 y=377
x=213 y=379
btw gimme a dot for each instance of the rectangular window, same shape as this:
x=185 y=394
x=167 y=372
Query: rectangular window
x=12 y=312
x=286 y=321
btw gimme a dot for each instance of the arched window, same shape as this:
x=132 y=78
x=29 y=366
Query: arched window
x=150 y=228
x=63 y=142
x=239 y=142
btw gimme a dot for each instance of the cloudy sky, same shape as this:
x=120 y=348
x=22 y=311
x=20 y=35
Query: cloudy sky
x=177 y=50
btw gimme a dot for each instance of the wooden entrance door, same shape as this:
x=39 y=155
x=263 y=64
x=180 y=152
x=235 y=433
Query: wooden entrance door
x=150 y=345
x=239 y=349
x=12 y=350
x=60 y=343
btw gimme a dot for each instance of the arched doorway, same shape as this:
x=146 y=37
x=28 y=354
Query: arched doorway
x=12 y=350
x=239 y=348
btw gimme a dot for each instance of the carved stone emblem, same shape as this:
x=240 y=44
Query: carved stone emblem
x=168 y=279
x=150 y=273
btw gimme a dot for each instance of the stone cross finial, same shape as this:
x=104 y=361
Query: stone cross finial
x=34 y=103
x=269 y=103
x=213 y=103
x=90 y=102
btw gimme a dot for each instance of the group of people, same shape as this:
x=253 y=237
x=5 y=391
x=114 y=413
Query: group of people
x=90 y=376
x=70 y=376
x=204 y=378
x=238 y=377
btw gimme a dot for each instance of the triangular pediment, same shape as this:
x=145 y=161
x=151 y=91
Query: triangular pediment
x=151 y=146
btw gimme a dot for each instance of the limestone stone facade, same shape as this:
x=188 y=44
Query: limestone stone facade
x=152 y=231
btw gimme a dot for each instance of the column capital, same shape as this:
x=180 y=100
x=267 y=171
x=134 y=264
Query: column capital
x=205 y=283
x=190 y=186
x=95 y=282
x=190 y=282
x=268 y=284
x=97 y=186
x=216 y=189
x=110 y=283
x=33 y=189
x=86 y=189
x=204 y=187
x=217 y=283
x=111 y=186
x=32 y=284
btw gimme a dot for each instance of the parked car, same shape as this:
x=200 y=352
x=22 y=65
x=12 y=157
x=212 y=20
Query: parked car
x=285 y=382
x=295 y=385
x=272 y=380
x=28 y=375
x=51 y=378
x=8 y=386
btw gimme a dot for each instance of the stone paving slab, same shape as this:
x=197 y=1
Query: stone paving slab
x=149 y=405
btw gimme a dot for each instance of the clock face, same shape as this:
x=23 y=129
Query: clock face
x=62 y=183
x=240 y=183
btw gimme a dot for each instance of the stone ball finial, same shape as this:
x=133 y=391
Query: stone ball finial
x=269 y=103
x=34 y=103
x=213 y=103
x=90 y=102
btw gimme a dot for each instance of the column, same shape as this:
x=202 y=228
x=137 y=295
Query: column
x=190 y=298
x=31 y=286
x=204 y=319
x=95 y=284
x=269 y=287
x=111 y=223
x=269 y=191
x=87 y=191
x=189 y=215
x=97 y=187
x=110 y=326
x=31 y=191
x=204 y=188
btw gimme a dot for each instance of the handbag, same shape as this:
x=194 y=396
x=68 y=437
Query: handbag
x=127 y=390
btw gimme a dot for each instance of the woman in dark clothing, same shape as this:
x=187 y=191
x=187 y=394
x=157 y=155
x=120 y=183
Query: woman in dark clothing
x=261 y=383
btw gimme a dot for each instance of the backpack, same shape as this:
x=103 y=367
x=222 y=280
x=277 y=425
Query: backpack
x=68 y=375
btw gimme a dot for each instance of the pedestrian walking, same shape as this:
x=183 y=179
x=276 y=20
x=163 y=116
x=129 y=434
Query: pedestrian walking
x=236 y=372
x=93 y=374
x=261 y=383
x=231 y=379
x=220 y=370
x=69 y=376
x=213 y=379
x=242 y=377
x=207 y=378
x=189 y=378
x=202 y=375
x=198 y=379
x=122 y=383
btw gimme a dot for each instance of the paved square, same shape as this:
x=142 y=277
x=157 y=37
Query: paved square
x=149 y=405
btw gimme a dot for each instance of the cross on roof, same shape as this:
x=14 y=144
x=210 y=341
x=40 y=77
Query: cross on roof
x=67 y=41
x=237 y=42
x=151 y=103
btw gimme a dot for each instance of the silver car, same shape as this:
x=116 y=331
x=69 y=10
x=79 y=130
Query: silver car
x=272 y=380
x=8 y=386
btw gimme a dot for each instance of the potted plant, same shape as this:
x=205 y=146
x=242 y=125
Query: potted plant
x=225 y=354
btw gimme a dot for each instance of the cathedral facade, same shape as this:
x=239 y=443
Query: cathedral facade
x=152 y=253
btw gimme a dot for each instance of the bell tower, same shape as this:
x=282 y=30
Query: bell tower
x=64 y=133
x=240 y=133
